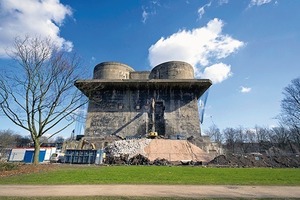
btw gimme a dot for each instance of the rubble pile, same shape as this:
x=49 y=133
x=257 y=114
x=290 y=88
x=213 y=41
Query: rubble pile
x=161 y=162
x=121 y=159
x=255 y=160
x=154 y=151
x=176 y=152
x=139 y=160
x=128 y=147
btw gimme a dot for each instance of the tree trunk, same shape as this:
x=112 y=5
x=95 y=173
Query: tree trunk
x=36 y=151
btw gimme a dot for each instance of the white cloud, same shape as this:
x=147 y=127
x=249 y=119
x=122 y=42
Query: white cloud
x=149 y=10
x=245 y=89
x=217 y=72
x=221 y=2
x=144 y=16
x=201 y=10
x=32 y=18
x=199 y=47
x=258 y=2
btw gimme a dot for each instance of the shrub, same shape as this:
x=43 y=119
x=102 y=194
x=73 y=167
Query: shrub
x=6 y=166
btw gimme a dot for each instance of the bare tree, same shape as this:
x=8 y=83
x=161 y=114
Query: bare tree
x=295 y=136
x=23 y=141
x=241 y=140
x=290 y=105
x=230 y=139
x=214 y=133
x=262 y=137
x=38 y=94
x=8 y=139
x=59 y=139
x=290 y=110
x=261 y=134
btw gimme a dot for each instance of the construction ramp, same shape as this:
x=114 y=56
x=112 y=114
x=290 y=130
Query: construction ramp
x=175 y=150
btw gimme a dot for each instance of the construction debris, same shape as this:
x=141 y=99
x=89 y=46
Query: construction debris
x=122 y=159
x=139 y=160
x=255 y=160
x=171 y=150
x=128 y=147
x=161 y=162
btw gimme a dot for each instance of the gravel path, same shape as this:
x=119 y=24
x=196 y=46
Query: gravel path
x=192 y=191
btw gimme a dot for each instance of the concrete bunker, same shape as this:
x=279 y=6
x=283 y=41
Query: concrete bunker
x=127 y=103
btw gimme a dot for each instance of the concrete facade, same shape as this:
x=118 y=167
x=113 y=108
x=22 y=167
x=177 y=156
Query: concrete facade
x=126 y=103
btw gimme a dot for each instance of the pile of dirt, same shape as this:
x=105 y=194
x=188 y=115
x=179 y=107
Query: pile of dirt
x=175 y=150
x=255 y=160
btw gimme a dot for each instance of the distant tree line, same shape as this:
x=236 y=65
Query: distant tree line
x=281 y=139
x=284 y=138
x=11 y=139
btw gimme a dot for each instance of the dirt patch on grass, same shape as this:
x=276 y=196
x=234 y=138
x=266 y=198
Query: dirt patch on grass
x=21 y=168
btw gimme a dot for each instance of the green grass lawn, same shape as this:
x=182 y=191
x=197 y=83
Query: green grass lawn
x=72 y=174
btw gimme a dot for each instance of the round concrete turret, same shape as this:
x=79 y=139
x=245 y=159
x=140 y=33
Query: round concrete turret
x=172 y=70
x=112 y=70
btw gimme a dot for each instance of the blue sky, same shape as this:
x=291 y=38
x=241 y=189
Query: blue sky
x=248 y=48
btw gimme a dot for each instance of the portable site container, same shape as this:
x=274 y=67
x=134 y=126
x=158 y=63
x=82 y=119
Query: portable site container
x=75 y=156
x=28 y=157
x=26 y=154
x=17 y=155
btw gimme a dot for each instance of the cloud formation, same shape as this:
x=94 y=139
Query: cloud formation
x=245 y=89
x=32 y=18
x=217 y=72
x=201 y=10
x=258 y=2
x=144 y=16
x=221 y=2
x=200 y=47
x=149 y=10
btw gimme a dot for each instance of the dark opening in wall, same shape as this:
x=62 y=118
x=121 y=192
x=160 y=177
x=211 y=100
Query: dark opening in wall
x=159 y=109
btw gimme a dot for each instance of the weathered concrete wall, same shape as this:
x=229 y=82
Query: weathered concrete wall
x=116 y=112
x=129 y=113
x=139 y=75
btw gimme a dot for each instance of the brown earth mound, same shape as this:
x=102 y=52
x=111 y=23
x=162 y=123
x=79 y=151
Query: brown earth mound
x=175 y=150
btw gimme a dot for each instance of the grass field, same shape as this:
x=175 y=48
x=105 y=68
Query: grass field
x=72 y=174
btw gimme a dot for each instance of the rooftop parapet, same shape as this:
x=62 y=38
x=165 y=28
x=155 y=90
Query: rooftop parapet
x=140 y=75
